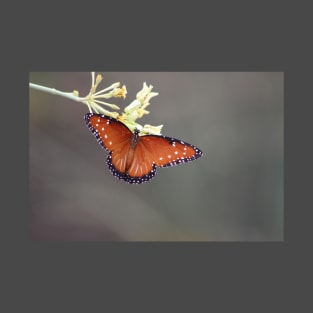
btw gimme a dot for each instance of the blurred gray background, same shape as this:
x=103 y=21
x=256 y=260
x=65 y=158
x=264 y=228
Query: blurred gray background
x=233 y=193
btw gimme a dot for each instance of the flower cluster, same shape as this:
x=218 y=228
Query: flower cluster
x=132 y=112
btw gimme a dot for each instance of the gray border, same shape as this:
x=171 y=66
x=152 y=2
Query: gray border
x=257 y=275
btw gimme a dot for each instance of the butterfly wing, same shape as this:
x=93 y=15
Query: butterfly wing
x=141 y=168
x=166 y=151
x=114 y=137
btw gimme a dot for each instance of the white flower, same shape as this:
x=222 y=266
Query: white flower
x=149 y=129
x=136 y=109
x=92 y=99
x=144 y=96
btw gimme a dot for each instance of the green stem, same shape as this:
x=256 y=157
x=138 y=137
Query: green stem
x=54 y=91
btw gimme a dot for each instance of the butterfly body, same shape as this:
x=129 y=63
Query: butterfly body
x=132 y=157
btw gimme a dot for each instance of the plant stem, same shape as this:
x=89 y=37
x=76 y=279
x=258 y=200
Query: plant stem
x=54 y=91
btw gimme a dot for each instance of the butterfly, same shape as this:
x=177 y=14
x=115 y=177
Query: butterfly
x=134 y=158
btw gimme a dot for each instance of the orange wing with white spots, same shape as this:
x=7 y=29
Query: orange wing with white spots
x=165 y=151
x=134 y=158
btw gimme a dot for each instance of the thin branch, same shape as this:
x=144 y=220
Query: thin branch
x=53 y=91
